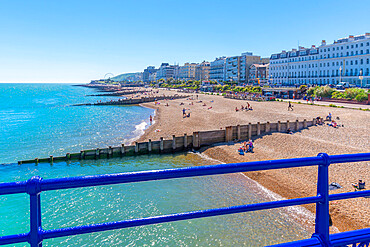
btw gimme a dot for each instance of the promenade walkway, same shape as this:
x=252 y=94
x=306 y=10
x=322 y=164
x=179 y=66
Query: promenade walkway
x=326 y=103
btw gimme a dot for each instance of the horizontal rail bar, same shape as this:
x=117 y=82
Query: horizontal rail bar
x=349 y=195
x=86 y=181
x=176 y=217
x=13 y=239
x=75 y=182
x=13 y=188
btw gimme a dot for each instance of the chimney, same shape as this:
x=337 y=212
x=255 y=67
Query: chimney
x=323 y=42
x=283 y=51
x=367 y=34
x=351 y=36
x=313 y=46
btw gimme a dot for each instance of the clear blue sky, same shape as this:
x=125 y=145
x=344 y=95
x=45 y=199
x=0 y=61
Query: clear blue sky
x=76 y=41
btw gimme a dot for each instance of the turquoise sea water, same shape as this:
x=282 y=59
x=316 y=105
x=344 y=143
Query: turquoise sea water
x=37 y=120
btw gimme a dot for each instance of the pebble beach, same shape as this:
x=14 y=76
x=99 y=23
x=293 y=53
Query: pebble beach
x=211 y=112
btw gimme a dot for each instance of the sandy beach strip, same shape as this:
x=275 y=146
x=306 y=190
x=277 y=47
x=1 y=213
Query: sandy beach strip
x=210 y=112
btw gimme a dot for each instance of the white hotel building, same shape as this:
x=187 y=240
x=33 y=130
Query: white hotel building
x=346 y=60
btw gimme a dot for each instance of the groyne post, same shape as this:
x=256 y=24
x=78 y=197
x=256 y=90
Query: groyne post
x=268 y=127
x=173 y=142
x=238 y=130
x=297 y=125
x=161 y=144
x=287 y=124
x=258 y=128
x=51 y=159
x=136 y=147
x=122 y=149
x=228 y=133
x=150 y=146
x=304 y=123
x=185 y=141
x=97 y=153
x=196 y=139
x=250 y=131
x=279 y=126
x=110 y=151
x=314 y=121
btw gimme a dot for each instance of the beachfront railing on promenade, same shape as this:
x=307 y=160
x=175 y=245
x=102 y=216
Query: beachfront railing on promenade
x=321 y=237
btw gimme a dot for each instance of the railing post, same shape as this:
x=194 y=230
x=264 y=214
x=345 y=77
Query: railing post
x=34 y=189
x=322 y=208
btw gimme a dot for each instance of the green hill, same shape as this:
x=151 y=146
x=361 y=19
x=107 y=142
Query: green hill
x=123 y=77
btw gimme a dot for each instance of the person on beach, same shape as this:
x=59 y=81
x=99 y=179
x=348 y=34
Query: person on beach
x=359 y=186
x=250 y=146
x=328 y=118
x=183 y=112
x=151 y=119
x=290 y=107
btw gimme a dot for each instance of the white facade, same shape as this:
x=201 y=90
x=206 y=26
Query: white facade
x=345 y=60
x=217 y=70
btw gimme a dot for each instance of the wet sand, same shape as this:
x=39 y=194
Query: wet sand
x=219 y=112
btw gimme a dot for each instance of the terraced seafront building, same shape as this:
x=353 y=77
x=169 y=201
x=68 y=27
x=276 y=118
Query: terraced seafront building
x=202 y=71
x=237 y=67
x=345 y=60
x=187 y=71
x=217 y=69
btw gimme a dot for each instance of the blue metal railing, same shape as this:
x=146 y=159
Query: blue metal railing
x=321 y=237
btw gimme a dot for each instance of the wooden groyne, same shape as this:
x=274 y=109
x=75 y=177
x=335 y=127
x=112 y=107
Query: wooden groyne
x=120 y=93
x=181 y=143
x=136 y=101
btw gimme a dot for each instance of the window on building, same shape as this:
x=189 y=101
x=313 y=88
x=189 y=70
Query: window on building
x=328 y=55
x=361 y=61
x=356 y=62
x=367 y=61
x=351 y=62
x=367 y=44
x=328 y=64
x=341 y=47
x=362 y=44
x=367 y=51
x=328 y=49
x=351 y=46
x=356 y=52
x=347 y=53
x=351 y=53
x=333 y=63
x=367 y=71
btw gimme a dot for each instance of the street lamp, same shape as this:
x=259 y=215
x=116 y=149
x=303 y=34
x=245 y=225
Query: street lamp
x=361 y=77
